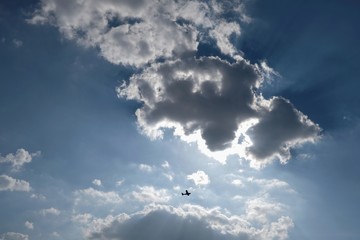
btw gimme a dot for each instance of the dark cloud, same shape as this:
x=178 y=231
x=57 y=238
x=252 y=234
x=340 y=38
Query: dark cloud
x=161 y=225
x=213 y=97
x=280 y=127
x=190 y=222
x=206 y=94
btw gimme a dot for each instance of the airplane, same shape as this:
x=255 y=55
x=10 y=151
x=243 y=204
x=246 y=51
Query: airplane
x=186 y=193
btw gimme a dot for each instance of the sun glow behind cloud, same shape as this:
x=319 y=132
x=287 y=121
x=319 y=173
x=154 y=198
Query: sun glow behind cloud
x=212 y=101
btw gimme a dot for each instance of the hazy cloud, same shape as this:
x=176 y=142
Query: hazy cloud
x=145 y=168
x=93 y=196
x=150 y=194
x=120 y=182
x=13 y=236
x=8 y=183
x=17 y=43
x=38 y=196
x=237 y=182
x=50 y=211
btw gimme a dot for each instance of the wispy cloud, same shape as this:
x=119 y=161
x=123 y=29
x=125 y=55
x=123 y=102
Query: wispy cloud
x=151 y=194
x=17 y=43
x=93 y=196
x=14 y=236
x=50 y=211
x=145 y=168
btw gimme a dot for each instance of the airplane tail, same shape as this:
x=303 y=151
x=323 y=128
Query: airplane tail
x=182 y=194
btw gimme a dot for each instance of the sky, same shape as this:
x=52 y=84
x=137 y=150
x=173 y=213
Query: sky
x=109 y=110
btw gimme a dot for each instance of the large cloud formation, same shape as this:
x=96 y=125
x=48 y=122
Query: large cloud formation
x=191 y=222
x=209 y=100
x=137 y=32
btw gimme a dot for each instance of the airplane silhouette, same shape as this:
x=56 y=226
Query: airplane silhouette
x=186 y=193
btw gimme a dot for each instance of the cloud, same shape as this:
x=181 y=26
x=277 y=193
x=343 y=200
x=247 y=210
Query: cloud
x=215 y=103
x=145 y=168
x=38 y=196
x=150 y=194
x=166 y=165
x=93 y=196
x=186 y=222
x=269 y=184
x=50 y=211
x=13 y=236
x=168 y=176
x=280 y=128
x=222 y=33
x=29 y=225
x=96 y=182
x=136 y=34
x=199 y=178
x=237 y=182
x=120 y=182
x=18 y=159
x=8 y=183
x=17 y=43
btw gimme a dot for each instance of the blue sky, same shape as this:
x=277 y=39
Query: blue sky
x=109 y=110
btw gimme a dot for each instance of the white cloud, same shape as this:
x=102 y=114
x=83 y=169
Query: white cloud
x=29 y=225
x=199 y=178
x=93 y=196
x=222 y=33
x=166 y=165
x=140 y=33
x=237 y=182
x=13 y=236
x=8 y=183
x=96 y=182
x=124 y=33
x=50 y=211
x=260 y=210
x=150 y=194
x=18 y=159
x=186 y=222
x=145 y=168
